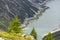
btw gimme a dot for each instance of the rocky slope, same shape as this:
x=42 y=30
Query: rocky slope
x=10 y=8
x=23 y=8
x=55 y=34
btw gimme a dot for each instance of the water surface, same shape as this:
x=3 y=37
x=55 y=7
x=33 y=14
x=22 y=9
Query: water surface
x=48 y=21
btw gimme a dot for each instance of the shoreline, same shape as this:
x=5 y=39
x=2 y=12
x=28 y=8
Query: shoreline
x=36 y=17
x=53 y=31
x=42 y=9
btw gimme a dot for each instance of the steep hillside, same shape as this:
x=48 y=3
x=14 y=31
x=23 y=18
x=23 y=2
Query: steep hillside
x=10 y=8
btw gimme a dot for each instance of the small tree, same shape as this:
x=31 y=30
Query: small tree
x=49 y=37
x=15 y=26
x=34 y=33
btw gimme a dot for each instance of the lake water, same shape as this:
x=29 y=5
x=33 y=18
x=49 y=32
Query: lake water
x=48 y=21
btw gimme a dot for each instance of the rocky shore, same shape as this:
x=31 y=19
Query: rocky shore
x=55 y=34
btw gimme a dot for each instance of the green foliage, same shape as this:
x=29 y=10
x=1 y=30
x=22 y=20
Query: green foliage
x=49 y=37
x=15 y=26
x=34 y=33
x=12 y=36
x=15 y=32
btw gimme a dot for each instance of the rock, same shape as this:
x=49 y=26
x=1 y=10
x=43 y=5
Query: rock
x=55 y=34
x=10 y=8
x=1 y=39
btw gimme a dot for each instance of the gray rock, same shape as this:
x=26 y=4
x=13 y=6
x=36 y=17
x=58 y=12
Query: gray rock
x=10 y=8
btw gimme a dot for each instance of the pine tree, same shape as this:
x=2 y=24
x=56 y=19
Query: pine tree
x=49 y=37
x=15 y=26
x=34 y=33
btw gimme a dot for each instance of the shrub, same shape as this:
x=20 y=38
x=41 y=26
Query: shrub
x=34 y=33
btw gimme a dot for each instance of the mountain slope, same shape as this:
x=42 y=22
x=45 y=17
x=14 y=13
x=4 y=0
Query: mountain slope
x=10 y=8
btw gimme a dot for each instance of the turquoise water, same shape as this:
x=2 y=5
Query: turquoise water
x=48 y=21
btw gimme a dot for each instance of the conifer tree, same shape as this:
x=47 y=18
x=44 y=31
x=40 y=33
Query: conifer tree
x=49 y=37
x=34 y=33
x=15 y=26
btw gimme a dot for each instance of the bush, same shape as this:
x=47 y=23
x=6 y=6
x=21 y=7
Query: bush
x=15 y=31
x=49 y=37
x=15 y=26
x=34 y=33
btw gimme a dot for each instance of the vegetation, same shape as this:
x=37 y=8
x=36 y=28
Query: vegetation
x=49 y=37
x=15 y=26
x=15 y=32
x=34 y=33
x=12 y=36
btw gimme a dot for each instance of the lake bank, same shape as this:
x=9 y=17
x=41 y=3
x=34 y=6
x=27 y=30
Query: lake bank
x=55 y=34
x=48 y=21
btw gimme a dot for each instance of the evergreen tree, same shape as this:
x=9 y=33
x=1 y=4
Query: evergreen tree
x=49 y=37
x=34 y=33
x=15 y=26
